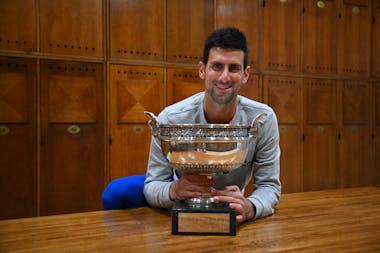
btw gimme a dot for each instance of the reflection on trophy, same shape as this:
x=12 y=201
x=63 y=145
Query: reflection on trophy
x=205 y=149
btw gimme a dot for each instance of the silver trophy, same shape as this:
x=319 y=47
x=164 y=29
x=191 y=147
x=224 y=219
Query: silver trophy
x=204 y=149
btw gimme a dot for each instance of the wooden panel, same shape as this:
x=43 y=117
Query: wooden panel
x=355 y=144
x=248 y=22
x=355 y=103
x=281 y=35
x=182 y=83
x=354 y=33
x=188 y=25
x=376 y=123
x=18 y=138
x=72 y=27
x=133 y=90
x=18 y=25
x=320 y=37
x=136 y=29
x=72 y=151
x=376 y=40
x=284 y=95
x=72 y=98
x=320 y=101
x=252 y=89
x=129 y=150
x=320 y=140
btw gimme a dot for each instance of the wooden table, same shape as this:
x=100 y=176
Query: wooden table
x=346 y=220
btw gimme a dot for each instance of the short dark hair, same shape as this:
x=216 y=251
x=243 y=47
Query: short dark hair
x=226 y=38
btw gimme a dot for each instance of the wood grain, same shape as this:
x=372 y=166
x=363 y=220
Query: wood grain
x=345 y=220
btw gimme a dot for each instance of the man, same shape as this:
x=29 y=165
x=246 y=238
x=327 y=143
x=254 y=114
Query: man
x=224 y=69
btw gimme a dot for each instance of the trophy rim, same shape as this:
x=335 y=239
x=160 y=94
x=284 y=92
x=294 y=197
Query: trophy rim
x=203 y=132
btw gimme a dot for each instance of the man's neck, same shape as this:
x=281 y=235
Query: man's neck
x=221 y=114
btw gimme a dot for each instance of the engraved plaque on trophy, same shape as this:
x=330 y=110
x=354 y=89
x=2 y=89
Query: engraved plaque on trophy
x=205 y=149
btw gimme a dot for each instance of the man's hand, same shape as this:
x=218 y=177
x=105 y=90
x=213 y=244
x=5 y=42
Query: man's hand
x=232 y=194
x=190 y=186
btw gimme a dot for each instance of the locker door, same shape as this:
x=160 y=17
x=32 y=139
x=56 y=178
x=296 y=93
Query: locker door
x=376 y=39
x=72 y=27
x=137 y=29
x=18 y=138
x=355 y=144
x=284 y=95
x=72 y=143
x=188 y=23
x=248 y=22
x=320 y=142
x=320 y=37
x=18 y=25
x=133 y=90
x=354 y=38
x=281 y=35
x=182 y=83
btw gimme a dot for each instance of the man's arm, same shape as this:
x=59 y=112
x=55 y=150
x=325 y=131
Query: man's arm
x=159 y=177
x=267 y=186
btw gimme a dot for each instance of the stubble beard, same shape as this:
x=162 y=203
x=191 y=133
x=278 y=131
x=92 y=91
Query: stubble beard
x=222 y=100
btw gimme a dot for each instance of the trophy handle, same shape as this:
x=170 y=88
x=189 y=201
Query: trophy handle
x=256 y=125
x=153 y=123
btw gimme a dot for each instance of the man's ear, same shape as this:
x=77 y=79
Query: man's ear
x=246 y=74
x=201 y=70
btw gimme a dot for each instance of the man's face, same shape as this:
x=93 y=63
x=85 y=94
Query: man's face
x=224 y=73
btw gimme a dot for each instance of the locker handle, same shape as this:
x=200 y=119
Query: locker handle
x=321 y=4
x=4 y=130
x=73 y=129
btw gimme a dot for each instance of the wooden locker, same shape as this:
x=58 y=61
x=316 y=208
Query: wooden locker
x=284 y=95
x=320 y=134
x=319 y=37
x=282 y=35
x=72 y=27
x=18 y=138
x=137 y=29
x=355 y=144
x=182 y=83
x=72 y=136
x=188 y=23
x=133 y=90
x=354 y=38
x=375 y=54
x=18 y=25
x=248 y=22
x=376 y=129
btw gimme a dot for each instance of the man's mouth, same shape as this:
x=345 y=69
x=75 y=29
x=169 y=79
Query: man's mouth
x=224 y=86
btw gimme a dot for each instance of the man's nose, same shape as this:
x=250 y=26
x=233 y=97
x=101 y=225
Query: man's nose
x=225 y=75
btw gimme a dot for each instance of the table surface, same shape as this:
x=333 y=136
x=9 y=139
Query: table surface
x=344 y=220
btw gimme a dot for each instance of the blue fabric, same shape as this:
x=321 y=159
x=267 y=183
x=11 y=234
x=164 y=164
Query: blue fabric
x=126 y=192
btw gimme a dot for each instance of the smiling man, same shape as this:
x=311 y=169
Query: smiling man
x=224 y=69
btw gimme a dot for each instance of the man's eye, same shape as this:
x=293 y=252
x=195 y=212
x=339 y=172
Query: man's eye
x=217 y=66
x=234 y=68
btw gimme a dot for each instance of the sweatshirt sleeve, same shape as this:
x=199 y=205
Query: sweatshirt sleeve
x=159 y=177
x=266 y=171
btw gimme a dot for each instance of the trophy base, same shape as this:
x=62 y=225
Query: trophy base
x=213 y=219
